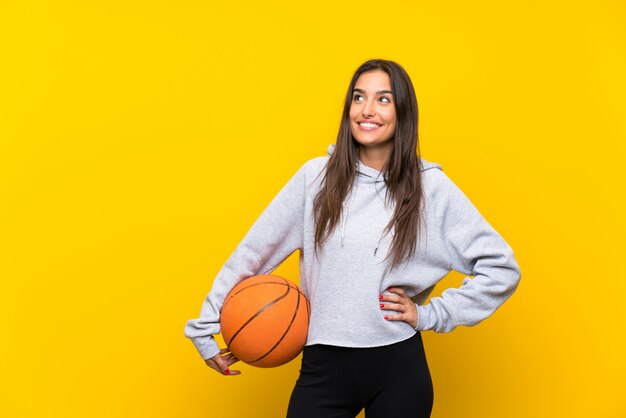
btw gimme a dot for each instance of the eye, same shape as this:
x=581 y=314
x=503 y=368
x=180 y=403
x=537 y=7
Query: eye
x=356 y=96
x=385 y=98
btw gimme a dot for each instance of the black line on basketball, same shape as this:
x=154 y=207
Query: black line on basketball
x=247 y=287
x=258 y=313
x=295 y=313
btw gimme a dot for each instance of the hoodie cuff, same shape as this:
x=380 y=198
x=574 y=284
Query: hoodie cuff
x=425 y=318
x=206 y=346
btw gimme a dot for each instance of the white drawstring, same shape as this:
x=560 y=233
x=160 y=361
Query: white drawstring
x=377 y=245
x=384 y=204
x=345 y=219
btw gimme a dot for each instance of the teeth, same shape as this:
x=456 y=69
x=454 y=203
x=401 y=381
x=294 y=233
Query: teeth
x=369 y=125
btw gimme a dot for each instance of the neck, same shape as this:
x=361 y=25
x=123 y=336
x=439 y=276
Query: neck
x=375 y=158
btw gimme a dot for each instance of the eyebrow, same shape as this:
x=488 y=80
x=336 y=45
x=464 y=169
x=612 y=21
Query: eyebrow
x=378 y=92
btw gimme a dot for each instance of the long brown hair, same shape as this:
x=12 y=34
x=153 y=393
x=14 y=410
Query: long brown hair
x=402 y=172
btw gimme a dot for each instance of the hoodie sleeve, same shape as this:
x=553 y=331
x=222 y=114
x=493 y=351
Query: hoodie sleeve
x=474 y=248
x=275 y=235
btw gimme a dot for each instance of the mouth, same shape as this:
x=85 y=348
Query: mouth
x=368 y=126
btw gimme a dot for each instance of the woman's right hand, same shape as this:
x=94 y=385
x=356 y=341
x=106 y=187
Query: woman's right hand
x=220 y=362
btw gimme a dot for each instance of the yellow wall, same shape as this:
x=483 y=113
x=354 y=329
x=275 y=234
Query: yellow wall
x=140 y=139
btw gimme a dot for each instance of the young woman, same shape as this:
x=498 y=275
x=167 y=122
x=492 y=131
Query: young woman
x=377 y=228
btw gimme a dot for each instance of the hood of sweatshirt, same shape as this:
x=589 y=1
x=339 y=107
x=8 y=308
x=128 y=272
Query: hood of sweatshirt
x=370 y=175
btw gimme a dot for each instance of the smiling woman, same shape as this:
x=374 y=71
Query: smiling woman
x=380 y=92
x=377 y=228
x=373 y=118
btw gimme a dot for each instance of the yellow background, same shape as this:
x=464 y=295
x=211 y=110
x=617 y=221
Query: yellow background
x=141 y=139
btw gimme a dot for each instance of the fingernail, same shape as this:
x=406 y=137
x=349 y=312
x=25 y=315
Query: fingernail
x=382 y=306
x=380 y=297
x=386 y=317
x=226 y=371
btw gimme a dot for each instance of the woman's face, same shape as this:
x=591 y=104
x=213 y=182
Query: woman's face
x=372 y=112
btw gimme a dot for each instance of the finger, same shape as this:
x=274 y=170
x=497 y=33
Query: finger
x=216 y=369
x=390 y=298
x=396 y=317
x=232 y=361
x=222 y=364
x=224 y=350
x=398 y=291
x=214 y=366
x=393 y=307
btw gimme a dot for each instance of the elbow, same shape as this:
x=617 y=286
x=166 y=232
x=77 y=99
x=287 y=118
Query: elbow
x=505 y=281
x=514 y=276
x=516 y=272
x=510 y=272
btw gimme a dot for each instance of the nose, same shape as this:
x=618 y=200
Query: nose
x=368 y=109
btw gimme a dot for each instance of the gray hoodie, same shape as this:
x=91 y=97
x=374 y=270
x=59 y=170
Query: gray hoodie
x=343 y=282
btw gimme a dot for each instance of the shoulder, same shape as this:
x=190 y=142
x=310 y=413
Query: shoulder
x=309 y=172
x=313 y=167
x=437 y=185
x=428 y=166
x=316 y=164
x=432 y=175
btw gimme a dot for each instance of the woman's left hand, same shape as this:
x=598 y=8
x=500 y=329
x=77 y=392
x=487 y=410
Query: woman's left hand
x=399 y=302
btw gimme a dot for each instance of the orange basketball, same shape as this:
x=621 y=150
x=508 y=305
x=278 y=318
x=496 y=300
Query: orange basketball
x=265 y=320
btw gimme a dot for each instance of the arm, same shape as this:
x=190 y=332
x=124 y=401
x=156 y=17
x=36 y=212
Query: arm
x=476 y=249
x=275 y=235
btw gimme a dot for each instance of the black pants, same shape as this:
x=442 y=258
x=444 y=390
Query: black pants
x=338 y=382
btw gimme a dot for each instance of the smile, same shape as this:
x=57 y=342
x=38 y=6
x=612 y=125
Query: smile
x=369 y=126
